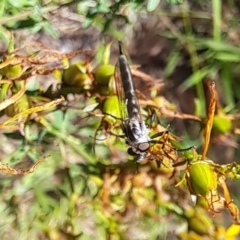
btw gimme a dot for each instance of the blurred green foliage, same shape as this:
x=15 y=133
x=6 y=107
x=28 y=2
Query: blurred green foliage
x=88 y=187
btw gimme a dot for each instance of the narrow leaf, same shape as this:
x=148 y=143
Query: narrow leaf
x=152 y=5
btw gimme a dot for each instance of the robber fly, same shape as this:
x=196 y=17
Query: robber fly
x=133 y=126
x=142 y=146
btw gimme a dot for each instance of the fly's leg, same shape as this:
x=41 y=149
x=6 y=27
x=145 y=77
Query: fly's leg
x=105 y=129
x=100 y=128
x=163 y=141
x=215 y=202
x=229 y=202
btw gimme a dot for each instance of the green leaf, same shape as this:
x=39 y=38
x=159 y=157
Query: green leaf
x=107 y=53
x=4 y=35
x=217 y=19
x=217 y=46
x=87 y=22
x=11 y=44
x=172 y=62
x=152 y=5
x=3 y=91
x=36 y=28
x=195 y=78
x=227 y=57
x=175 y=2
x=199 y=108
x=2 y=8
x=83 y=7
x=91 y=107
x=227 y=77
x=51 y=30
x=103 y=6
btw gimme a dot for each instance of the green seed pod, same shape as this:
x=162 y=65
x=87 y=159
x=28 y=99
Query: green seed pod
x=9 y=110
x=138 y=197
x=142 y=180
x=111 y=109
x=76 y=75
x=103 y=90
x=201 y=178
x=222 y=124
x=12 y=72
x=200 y=201
x=19 y=106
x=22 y=104
x=112 y=86
x=200 y=223
x=107 y=90
x=104 y=73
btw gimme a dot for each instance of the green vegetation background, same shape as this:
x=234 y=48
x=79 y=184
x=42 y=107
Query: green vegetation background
x=76 y=194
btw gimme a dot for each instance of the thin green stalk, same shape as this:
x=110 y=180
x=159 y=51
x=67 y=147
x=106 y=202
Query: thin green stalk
x=193 y=55
x=217 y=19
x=227 y=80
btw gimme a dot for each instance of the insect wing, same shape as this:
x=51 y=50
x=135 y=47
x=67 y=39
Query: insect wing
x=120 y=92
x=128 y=88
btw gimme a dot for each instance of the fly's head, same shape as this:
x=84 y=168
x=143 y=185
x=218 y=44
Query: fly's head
x=137 y=138
x=138 y=154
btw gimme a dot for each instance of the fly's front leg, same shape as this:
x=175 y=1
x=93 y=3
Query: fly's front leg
x=166 y=148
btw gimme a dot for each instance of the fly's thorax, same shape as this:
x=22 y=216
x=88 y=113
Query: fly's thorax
x=135 y=131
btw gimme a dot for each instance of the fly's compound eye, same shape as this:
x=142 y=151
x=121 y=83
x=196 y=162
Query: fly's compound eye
x=143 y=147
